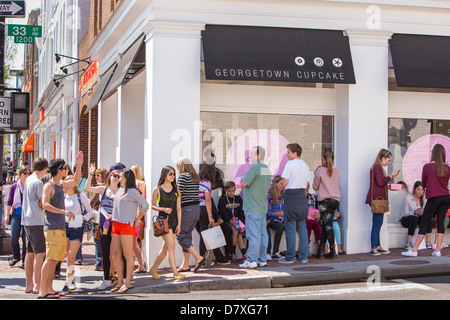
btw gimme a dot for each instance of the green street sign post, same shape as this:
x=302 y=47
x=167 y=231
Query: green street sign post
x=24 y=33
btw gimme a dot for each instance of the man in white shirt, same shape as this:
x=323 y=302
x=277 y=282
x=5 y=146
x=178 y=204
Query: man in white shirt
x=33 y=221
x=296 y=180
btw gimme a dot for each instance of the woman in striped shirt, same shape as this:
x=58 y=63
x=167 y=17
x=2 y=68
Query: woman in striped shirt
x=188 y=184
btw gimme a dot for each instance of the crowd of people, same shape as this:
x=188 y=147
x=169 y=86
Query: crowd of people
x=47 y=208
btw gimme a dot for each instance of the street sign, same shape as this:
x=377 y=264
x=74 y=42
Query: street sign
x=24 y=33
x=12 y=9
x=24 y=30
x=5 y=112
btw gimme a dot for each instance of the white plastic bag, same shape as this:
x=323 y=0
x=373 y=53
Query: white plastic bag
x=213 y=238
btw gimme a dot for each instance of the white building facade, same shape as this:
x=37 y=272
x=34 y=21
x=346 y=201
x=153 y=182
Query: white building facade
x=156 y=102
x=54 y=121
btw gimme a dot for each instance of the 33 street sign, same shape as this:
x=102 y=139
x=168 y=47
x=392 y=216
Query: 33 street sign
x=12 y=9
x=24 y=33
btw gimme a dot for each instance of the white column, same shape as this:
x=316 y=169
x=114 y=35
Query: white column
x=130 y=122
x=361 y=131
x=173 y=52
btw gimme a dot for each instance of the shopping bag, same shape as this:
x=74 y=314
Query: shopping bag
x=213 y=238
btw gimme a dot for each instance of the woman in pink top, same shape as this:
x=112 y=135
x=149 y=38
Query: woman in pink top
x=435 y=177
x=326 y=180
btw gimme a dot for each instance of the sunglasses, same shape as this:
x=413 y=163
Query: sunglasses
x=116 y=176
x=61 y=167
x=171 y=174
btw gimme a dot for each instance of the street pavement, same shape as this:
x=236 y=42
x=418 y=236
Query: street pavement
x=346 y=268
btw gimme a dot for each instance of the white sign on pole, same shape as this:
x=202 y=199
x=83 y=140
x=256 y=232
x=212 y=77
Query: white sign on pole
x=5 y=112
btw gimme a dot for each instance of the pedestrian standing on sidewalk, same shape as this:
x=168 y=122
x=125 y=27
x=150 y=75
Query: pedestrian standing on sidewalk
x=55 y=220
x=14 y=215
x=142 y=187
x=256 y=184
x=188 y=184
x=77 y=203
x=378 y=190
x=166 y=200
x=296 y=181
x=101 y=176
x=33 y=222
x=326 y=181
x=125 y=220
x=435 y=177
x=107 y=194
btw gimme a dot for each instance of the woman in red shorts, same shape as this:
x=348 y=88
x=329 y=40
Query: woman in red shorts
x=126 y=202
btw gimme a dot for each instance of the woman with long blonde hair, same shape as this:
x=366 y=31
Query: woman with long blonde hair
x=188 y=184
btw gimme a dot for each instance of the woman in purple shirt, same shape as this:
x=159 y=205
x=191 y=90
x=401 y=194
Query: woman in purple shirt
x=435 y=177
x=378 y=188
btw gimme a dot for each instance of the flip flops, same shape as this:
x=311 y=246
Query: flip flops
x=49 y=296
x=124 y=289
x=199 y=265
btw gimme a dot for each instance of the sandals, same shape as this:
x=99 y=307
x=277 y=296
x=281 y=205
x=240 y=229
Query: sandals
x=184 y=270
x=199 y=265
x=124 y=289
x=49 y=296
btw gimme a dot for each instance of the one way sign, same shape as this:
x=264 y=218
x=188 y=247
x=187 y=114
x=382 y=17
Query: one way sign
x=12 y=9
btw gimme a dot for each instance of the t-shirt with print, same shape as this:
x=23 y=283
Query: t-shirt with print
x=204 y=187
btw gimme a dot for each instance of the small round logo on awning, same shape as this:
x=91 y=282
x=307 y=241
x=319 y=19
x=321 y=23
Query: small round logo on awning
x=300 y=61
x=318 y=62
x=337 y=62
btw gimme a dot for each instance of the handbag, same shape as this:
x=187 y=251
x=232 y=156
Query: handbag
x=87 y=225
x=161 y=224
x=213 y=238
x=379 y=205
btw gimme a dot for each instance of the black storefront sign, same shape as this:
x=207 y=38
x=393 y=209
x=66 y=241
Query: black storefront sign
x=276 y=54
x=420 y=60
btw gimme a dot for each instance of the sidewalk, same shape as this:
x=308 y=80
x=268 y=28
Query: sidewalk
x=348 y=268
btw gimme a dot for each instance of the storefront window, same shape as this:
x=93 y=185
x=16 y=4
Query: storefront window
x=411 y=142
x=231 y=136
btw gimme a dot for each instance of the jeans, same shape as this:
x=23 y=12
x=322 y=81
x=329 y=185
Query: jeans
x=16 y=227
x=377 y=222
x=293 y=227
x=256 y=231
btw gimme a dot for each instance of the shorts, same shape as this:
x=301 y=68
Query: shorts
x=56 y=244
x=35 y=239
x=122 y=229
x=74 y=234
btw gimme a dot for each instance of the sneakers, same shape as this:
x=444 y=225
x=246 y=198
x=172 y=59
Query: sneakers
x=429 y=245
x=410 y=253
x=408 y=246
x=105 y=285
x=276 y=256
x=223 y=261
x=262 y=264
x=436 y=253
x=284 y=261
x=377 y=252
x=248 y=265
